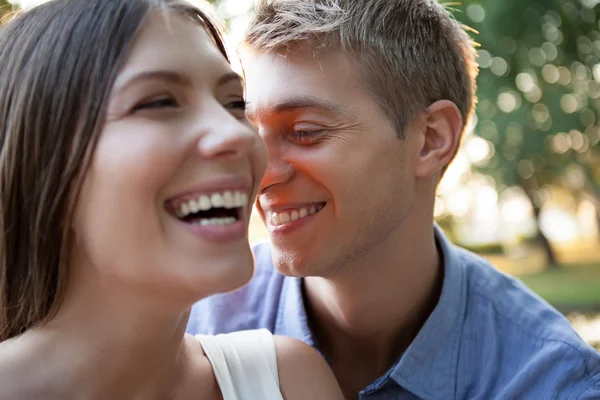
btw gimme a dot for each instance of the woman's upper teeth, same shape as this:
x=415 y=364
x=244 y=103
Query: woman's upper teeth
x=204 y=202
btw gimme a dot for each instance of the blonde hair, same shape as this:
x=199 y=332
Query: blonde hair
x=409 y=53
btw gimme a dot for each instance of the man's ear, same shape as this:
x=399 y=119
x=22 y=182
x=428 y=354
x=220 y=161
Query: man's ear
x=443 y=127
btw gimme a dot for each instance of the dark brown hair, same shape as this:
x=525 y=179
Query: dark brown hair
x=58 y=63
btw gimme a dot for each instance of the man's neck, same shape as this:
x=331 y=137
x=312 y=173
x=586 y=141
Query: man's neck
x=364 y=320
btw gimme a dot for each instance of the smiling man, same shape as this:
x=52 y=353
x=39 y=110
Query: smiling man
x=362 y=105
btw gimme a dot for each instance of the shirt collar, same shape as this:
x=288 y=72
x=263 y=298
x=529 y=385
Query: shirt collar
x=433 y=353
x=291 y=317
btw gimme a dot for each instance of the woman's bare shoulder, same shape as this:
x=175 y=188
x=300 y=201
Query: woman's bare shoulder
x=16 y=375
x=303 y=373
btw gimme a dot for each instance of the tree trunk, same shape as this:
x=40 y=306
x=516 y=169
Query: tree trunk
x=598 y=221
x=529 y=188
x=592 y=192
x=594 y=197
x=543 y=240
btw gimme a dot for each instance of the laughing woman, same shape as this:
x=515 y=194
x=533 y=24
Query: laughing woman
x=127 y=174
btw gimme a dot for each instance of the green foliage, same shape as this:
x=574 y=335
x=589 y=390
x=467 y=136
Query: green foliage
x=539 y=89
x=574 y=287
x=5 y=8
x=486 y=249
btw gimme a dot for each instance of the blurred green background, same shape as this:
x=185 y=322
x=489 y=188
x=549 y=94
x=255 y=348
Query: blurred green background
x=524 y=190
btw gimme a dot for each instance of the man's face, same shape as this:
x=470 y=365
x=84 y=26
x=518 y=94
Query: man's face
x=339 y=180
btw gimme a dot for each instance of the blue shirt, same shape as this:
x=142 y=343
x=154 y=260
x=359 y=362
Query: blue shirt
x=489 y=337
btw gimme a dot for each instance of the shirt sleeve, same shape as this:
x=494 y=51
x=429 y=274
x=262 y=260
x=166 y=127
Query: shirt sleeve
x=593 y=392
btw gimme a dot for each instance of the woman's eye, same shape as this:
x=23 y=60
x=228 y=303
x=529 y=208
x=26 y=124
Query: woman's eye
x=237 y=108
x=164 y=102
x=238 y=104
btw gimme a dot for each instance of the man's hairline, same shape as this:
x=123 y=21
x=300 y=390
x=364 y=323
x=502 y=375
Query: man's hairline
x=245 y=47
x=307 y=49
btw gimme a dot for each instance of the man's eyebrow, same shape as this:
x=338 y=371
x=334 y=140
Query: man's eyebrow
x=298 y=103
x=167 y=76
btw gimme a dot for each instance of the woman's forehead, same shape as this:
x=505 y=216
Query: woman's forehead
x=169 y=40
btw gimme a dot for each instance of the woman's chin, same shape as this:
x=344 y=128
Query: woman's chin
x=224 y=275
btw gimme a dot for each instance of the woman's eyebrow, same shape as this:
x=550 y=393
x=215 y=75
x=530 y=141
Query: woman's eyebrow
x=167 y=76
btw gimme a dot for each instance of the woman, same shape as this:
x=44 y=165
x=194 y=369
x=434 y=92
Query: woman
x=127 y=173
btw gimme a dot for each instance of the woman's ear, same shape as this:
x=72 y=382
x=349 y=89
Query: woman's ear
x=443 y=128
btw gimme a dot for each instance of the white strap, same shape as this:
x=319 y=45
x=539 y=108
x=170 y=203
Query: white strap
x=244 y=364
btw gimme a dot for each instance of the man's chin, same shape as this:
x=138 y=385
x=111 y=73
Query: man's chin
x=293 y=262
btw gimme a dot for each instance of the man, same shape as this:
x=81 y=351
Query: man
x=362 y=105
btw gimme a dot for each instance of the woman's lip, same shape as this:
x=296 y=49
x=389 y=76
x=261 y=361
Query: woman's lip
x=238 y=199
x=217 y=233
x=209 y=187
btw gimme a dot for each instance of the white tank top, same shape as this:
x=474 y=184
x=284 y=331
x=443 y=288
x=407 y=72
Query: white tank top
x=244 y=364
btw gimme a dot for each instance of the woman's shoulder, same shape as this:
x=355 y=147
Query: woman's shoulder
x=303 y=373
x=20 y=372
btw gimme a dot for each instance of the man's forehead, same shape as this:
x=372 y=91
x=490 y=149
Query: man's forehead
x=292 y=103
x=281 y=67
x=278 y=84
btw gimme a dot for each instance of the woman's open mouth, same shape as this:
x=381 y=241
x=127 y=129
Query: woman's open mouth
x=215 y=216
x=211 y=209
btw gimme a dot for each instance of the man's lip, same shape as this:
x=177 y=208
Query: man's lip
x=280 y=207
x=278 y=229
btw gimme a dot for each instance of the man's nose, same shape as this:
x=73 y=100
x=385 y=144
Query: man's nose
x=279 y=169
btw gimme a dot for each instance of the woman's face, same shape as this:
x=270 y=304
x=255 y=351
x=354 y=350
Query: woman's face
x=166 y=201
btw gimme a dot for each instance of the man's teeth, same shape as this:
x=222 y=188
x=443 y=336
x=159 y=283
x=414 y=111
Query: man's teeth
x=228 y=199
x=283 y=217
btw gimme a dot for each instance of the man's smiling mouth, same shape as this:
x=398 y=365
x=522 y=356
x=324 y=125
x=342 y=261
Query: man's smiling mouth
x=286 y=216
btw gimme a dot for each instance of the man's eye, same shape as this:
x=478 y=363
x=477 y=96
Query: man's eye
x=163 y=102
x=305 y=137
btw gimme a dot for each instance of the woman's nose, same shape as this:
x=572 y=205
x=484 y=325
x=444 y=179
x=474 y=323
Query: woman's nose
x=230 y=138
